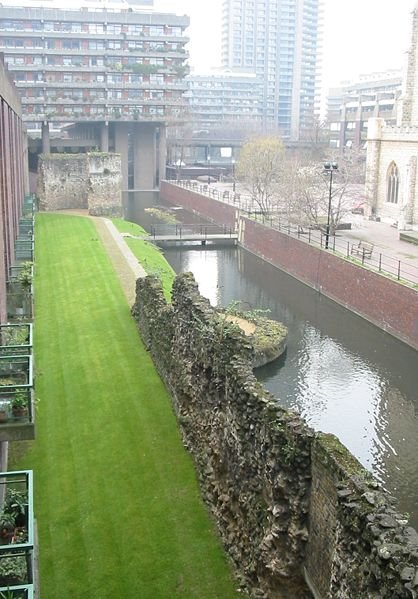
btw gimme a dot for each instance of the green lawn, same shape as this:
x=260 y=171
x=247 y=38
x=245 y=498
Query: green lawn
x=148 y=254
x=117 y=503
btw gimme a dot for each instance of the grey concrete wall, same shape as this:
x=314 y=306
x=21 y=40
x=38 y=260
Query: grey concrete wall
x=145 y=166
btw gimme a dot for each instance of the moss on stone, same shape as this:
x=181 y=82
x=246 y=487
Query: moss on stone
x=341 y=455
x=268 y=339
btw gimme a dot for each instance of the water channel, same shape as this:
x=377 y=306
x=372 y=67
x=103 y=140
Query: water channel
x=342 y=374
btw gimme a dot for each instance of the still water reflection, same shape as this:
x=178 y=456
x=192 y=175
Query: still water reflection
x=340 y=373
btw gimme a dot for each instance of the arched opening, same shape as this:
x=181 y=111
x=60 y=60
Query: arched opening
x=392 y=184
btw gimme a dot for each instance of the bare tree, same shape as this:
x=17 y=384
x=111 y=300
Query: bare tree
x=305 y=190
x=259 y=170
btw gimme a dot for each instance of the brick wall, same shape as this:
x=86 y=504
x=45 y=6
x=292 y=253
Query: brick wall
x=387 y=304
x=209 y=208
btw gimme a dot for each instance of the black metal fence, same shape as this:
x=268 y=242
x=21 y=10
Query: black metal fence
x=375 y=260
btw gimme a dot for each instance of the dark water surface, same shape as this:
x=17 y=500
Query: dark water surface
x=342 y=374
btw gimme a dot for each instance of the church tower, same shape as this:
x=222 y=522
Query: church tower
x=408 y=110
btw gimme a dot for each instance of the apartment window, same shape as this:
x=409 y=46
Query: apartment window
x=392 y=184
x=114 y=29
x=114 y=45
x=157 y=30
x=71 y=45
x=96 y=28
x=135 y=45
x=135 y=79
x=156 y=95
x=93 y=45
x=155 y=78
x=67 y=77
x=135 y=29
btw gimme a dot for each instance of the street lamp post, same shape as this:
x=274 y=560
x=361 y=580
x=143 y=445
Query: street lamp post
x=233 y=175
x=208 y=169
x=329 y=169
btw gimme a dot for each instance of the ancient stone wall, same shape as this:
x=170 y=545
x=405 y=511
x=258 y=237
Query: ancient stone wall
x=81 y=181
x=104 y=191
x=285 y=500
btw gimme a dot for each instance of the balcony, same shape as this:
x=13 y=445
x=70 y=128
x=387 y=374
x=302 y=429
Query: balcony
x=20 y=293
x=17 y=421
x=16 y=535
x=16 y=339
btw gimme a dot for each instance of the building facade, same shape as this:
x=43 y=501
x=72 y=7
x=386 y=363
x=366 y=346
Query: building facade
x=114 y=71
x=392 y=152
x=13 y=178
x=225 y=98
x=279 y=41
x=350 y=107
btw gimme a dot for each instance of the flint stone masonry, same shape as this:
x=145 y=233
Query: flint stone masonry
x=287 y=501
x=81 y=181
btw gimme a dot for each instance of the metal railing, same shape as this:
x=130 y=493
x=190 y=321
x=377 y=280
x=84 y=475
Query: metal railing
x=384 y=264
x=17 y=549
x=180 y=230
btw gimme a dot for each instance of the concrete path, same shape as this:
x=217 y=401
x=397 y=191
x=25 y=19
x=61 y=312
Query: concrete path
x=123 y=260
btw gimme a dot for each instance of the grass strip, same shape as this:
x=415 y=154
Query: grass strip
x=148 y=254
x=117 y=502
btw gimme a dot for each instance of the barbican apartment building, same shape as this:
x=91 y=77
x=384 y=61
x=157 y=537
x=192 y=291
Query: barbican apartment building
x=351 y=106
x=279 y=41
x=95 y=77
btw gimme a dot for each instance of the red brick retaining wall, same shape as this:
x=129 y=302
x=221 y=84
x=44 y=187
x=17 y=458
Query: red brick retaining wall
x=209 y=208
x=387 y=304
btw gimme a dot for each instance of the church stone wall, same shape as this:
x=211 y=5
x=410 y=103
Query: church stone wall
x=286 y=501
x=387 y=145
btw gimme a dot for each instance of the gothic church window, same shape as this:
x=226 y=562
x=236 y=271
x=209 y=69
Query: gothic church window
x=392 y=184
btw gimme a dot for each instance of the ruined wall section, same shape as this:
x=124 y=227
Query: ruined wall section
x=286 y=501
x=236 y=432
x=81 y=181
x=62 y=182
x=105 y=182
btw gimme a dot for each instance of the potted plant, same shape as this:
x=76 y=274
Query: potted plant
x=13 y=570
x=4 y=412
x=20 y=404
x=7 y=527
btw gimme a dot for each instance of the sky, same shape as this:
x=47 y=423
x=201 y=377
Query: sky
x=359 y=36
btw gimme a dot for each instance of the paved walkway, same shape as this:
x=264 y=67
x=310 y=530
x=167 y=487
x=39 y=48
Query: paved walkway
x=123 y=260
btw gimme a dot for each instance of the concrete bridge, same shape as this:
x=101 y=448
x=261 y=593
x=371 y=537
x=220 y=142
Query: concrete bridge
x=164 y=234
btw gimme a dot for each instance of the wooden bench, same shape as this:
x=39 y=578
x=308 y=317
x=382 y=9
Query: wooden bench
x=362 y=248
